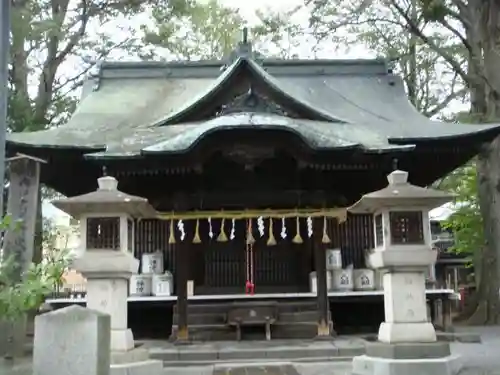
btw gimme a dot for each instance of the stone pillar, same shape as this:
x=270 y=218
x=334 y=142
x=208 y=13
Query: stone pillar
x=72 y=340
x=22 y=205
x=107 y=290
x=405 y=308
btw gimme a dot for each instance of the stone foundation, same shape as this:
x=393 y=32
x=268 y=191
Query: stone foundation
x=408 y=351
x=366 y=365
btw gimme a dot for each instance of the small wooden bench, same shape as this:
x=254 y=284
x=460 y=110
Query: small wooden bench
x=252 y=314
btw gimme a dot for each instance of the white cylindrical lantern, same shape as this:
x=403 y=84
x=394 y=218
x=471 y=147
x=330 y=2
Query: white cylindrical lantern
x=333 y=259
x=141 y=285
x=343 y=279
x=163 y=284
x=364 y=279
x=152 y=263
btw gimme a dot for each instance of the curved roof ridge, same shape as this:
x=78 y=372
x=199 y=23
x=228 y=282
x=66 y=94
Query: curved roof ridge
x=318 y=135
x=276 y=86
x=226 y=76
x=209 y=91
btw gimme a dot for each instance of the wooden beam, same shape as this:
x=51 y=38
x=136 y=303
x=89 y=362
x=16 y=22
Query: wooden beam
x=253 y=199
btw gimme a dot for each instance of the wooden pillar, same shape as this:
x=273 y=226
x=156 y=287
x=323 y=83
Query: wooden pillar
x=182 y=274
x=432 y=308
x=447 y=313
x=321 y=287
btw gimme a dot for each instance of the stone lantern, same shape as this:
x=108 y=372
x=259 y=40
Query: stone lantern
x=403 y=249
x=107 y=240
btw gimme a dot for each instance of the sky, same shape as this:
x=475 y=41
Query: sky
x=247 y=9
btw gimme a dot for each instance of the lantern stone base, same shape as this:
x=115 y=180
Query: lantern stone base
x=366 y=365
x=407 y=332
x=420 y=350
x=149 y=367
x=122 y=340
x=134 y=362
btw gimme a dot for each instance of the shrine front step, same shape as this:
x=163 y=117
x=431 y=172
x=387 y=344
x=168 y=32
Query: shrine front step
x=296 y=319
x=220 y=318
x=261 y=352
x=223 y=332
x=223 y=306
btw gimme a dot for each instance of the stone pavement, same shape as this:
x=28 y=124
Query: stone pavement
x=480 y=359
x=340 y=348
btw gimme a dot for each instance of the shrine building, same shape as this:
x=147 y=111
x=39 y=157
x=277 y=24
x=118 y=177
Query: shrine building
x=249 y=165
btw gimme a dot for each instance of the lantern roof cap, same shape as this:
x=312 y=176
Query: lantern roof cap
x=399 y=193
x=106 y=199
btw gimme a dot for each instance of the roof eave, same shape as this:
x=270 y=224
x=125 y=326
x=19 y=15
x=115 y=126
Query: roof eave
x=83 y=149
x=489 y=132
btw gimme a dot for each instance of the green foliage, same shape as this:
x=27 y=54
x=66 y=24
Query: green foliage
x=54 y=45
x=21 y=295
x=434 y=10
x=204 y=30
x=198 y=31
x=466 y=222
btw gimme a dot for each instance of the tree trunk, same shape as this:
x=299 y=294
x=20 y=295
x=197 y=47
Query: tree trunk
x=488 y=170
x=484 y=60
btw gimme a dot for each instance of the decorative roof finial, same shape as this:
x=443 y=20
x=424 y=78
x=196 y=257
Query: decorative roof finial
x=243 y=49
x=245 y=35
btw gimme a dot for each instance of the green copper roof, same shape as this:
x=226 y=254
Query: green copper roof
x=140 y=107
x=316 y=134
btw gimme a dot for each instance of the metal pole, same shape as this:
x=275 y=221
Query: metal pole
x=4 y=91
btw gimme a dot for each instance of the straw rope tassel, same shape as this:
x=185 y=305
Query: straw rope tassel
x=250 y=237
x=271 y=241
x=171 y=236
x=196 y=238
x=325 y=238
x=297 y=239
x=222 y=237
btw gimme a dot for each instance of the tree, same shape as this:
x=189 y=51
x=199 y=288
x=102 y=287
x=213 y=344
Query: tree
x=54 y=45
x=463 y=35
x=211 y=30
x=383 y=31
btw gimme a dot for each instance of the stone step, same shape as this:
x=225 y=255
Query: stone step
x=337 y=349
x=209 y=332
x=223 y=306
x=222 y=332
x=245 y=362
x=220 y=318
